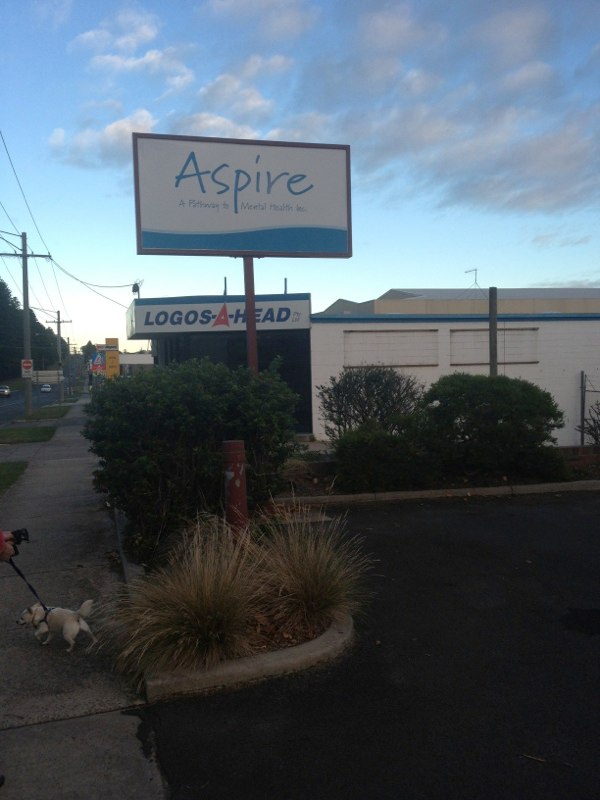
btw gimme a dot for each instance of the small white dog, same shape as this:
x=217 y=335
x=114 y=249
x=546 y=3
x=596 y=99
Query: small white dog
x=58 y=619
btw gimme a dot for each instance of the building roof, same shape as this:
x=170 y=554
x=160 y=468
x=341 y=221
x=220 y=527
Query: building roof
x=477 y=292
x=473 y=300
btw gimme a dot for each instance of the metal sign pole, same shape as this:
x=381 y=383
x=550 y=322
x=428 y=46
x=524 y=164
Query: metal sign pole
x=251 y=341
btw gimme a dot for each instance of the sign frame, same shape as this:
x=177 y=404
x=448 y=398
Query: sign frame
x=197 y=195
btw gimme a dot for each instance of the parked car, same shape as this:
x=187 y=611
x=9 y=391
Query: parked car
x=4 y=391
x=45 y=387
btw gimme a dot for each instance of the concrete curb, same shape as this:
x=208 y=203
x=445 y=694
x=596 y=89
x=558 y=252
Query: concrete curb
x=231 y=674
x=434 y=494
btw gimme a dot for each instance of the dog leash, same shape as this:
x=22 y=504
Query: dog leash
x=18 y=571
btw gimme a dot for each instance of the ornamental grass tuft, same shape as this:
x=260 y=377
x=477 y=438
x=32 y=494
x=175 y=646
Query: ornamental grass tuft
x=194 y=612
x=312 y=572
x=225 y=594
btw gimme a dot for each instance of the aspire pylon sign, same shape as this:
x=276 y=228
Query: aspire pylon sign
x=238 y=197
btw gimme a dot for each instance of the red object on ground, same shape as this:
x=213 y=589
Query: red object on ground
x=236 y=500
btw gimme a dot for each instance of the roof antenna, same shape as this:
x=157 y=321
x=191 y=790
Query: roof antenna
x=475 y=280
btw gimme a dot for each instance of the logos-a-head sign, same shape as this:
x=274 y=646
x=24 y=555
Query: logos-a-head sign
x=147 y=318
x=201 y=196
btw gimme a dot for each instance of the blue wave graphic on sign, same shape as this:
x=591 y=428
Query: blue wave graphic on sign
x=276 y=240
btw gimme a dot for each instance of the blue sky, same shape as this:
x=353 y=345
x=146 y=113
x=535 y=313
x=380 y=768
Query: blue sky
x=474 y=130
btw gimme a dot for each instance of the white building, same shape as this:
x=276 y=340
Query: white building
x=550 y=337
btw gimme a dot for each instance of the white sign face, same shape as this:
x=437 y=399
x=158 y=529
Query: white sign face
x=200 y=196
x=150 y=318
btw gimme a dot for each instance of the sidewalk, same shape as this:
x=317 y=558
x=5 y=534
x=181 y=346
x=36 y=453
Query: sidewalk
x=64 y=724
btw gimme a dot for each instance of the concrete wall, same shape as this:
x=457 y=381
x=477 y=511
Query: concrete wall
x=551 y=353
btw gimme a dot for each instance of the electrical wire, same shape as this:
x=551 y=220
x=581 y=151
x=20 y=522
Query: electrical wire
x=11 y=275
x=10 y=161
x=9 y=219
x=90 y=285
x=53 y=262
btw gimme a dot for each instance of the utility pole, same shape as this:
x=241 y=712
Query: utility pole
x=61 y=385
x=26 y=311
x=493 y=314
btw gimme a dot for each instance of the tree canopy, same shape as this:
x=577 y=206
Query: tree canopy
x=44 y=349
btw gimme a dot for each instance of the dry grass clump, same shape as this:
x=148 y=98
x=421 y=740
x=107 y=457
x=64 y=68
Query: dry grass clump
x=194 y=612
x=312 y=573
x=225 y=594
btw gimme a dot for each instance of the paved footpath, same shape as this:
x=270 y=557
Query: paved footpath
x=67 y=730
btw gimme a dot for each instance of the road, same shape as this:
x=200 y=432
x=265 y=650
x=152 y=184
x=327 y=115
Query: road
x=13 y=407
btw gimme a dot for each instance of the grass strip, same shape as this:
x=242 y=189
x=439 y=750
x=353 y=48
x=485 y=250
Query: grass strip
x=25 y=435
x=49 y=412
x=10 y=472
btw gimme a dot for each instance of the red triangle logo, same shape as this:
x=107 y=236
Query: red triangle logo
x=222 y=317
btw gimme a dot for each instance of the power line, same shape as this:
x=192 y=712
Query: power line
x=11 y=275
x=10 y=161
x=9 y=219
x=90 y=285
x=54 y=263
x=10 y=244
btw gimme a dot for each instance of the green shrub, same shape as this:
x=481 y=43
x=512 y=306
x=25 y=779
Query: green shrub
x=159 y=435
x=370 y=459
x=359 y=395
x=491 y=426
x=467 y=428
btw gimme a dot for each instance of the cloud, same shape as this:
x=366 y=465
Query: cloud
x=582 y=283
x=115 y=44
x=307 y=127
x=56 y=12
x=399 y=30
x=557 y=239
x=278 y=19
x=154 y=62
x=234 y=94
x=206 y=124
x=515 y=36
x=256 y=66
x=93 y=148
x=229 y=93
x=125 y=32
x=473 y=105
x=134 y=29
x=531 y=76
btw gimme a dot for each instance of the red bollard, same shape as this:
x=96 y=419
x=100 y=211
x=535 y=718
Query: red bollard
x=236 y=501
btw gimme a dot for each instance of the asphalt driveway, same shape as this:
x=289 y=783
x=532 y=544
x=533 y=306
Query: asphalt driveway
x=474 y=676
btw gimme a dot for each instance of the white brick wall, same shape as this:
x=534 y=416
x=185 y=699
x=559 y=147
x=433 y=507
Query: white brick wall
x=550 y=353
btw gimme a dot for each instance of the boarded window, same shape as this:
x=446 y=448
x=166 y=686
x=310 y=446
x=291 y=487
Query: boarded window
x=391 y=348
x=469 y=347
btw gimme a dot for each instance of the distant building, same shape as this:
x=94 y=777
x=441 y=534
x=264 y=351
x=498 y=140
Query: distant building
x=134 y=362
x=550 y=337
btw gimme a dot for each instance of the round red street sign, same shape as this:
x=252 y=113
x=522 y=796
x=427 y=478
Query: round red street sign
x=26 y=363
